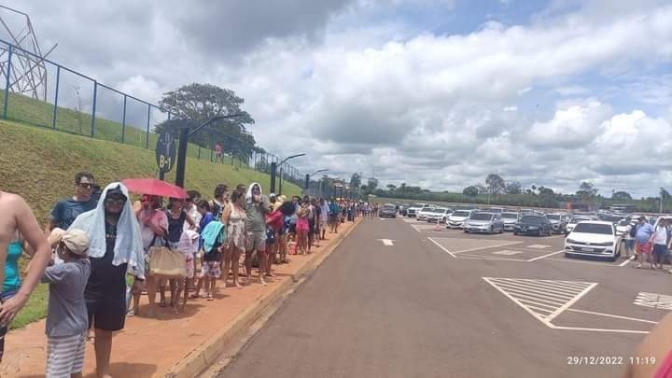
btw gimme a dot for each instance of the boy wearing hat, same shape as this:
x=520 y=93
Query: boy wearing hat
x=67 y=318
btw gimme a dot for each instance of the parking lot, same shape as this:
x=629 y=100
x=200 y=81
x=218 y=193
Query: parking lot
x=563 y=294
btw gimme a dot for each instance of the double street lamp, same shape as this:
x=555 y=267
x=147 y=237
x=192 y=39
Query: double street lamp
x=313 y=174
x=185 y=133
x=274 y=168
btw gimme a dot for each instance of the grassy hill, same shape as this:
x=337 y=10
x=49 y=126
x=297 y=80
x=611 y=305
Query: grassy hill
x=24 y=109
x=39 y=164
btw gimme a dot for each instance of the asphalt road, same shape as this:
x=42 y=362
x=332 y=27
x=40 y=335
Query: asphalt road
x=439 y=303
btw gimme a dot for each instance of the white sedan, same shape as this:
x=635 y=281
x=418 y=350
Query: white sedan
x=595 y=239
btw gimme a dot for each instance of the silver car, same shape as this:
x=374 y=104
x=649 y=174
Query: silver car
x=480 y=222
x=510 y=219
x=439 y=215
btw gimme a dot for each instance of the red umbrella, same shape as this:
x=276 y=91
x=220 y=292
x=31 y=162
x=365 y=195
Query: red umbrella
x=155 y=187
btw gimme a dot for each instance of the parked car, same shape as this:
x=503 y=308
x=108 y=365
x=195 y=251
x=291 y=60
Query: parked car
x=558 y=222
x=576 y=218
x=424 y=212
x=484 y=222
x=457 y=218
x=439 y=215
x=412 y=211
x=510 y=219
x=388 y=211
x=532 y=225
x=593 y=238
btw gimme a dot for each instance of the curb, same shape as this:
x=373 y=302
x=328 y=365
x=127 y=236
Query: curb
x=207 y=353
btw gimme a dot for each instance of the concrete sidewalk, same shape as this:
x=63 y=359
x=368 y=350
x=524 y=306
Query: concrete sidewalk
x=172 y=345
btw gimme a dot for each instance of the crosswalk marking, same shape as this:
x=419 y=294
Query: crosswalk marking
x=543 y=299
x=653 y=300
x=506 y=252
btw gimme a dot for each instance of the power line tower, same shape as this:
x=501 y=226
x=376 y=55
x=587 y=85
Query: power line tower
x=28 y=73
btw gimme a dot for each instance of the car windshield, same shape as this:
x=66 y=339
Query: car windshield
x=581 y=218
x=529 y=219
x=426 y=209
x=389 y=208
x=481 y=216
x=461 y=213
x=509 y=215
x=553 y=217
x=439 y=211
x=594 y=228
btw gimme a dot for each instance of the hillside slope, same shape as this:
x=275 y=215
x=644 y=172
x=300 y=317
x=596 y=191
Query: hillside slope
x=40 y=163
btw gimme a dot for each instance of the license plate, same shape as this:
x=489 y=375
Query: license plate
x=588 y=249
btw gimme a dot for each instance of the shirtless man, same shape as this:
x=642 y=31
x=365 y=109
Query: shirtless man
x=17 y=216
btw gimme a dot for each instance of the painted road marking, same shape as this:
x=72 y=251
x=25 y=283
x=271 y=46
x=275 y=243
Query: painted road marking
x=611 y=316
x=387 y=242
x=543 y=299
x=624 y=263
x=544 y=256
x=538 y=246
x=652 y=300
x=442 y=247
x=506 y=252
x=499 y=244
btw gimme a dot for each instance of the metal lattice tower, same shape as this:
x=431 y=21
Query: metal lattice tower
x=28 y=74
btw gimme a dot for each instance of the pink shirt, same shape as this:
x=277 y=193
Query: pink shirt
x=156 y=217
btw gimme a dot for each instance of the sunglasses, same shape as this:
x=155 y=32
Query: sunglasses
x=115 y=201
x=85 y=185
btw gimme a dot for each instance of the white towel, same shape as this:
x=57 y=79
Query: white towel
x=128 y=246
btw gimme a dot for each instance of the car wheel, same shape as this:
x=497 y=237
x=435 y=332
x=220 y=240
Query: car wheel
x=465 y=231
x=568 y=255
x=515 y=233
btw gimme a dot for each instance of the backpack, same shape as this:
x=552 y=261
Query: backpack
x=633 y=230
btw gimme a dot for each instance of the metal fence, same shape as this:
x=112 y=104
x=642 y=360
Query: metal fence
x=65 y=100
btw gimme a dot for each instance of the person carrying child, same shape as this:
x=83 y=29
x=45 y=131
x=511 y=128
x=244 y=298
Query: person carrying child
x=67 y=317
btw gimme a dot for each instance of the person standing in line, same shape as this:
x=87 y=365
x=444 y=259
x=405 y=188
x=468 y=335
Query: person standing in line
x=234 y=219
x=66 y=210
x=324 y=217
x=18 y=218
x=629 y=237
x=115 y=249
x=218 y=203
x=191 y=207
x=67 y=320
x=257 y=205
x=643 y=239
x=660 y=244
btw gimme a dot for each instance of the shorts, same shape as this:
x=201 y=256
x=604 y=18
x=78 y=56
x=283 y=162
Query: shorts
x=311 y=227
x=270 y=236
x=255 y=241
x=660 y=250
x=302 y=225
x=292 y=228
x=65 y=355
x=644 y=248
x=189 y=264
x=333 y=218
x=630 y=244
x=211 y=269
x=105 y=294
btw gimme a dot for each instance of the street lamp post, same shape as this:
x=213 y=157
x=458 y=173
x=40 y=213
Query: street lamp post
x=274 y=168
x=308 y=176
x=185 y=133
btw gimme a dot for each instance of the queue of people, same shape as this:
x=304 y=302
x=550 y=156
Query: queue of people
x=93 y=242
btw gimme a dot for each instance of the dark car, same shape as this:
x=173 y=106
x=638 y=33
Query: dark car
x=388 y=211
x=533 y=225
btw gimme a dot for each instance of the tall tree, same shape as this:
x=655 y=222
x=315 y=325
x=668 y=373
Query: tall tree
x=372 y=184
x=391 y=187
x=513 y=187
x=621 y=196
x=470 y=191
x=198 y=103
x=495 y=183
x=587 y=192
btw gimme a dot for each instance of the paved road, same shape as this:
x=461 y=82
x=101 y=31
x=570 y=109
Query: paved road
x=422 y=308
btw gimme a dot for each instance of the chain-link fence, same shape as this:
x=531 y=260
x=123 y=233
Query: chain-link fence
x=63 y=99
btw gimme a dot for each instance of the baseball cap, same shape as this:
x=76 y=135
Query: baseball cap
x=75 y=240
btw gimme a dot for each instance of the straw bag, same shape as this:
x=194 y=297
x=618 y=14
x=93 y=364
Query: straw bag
x=165 y=262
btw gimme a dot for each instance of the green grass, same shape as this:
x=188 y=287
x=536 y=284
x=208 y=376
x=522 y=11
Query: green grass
x=40 y=164
x=39 y=113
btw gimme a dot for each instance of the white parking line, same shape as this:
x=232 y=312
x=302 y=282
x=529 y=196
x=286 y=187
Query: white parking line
x=544 y=256
x=442 y=247
x=611 y=316
x=624 y=263
x=598 y=329
x=487 y=247
x=570 y=303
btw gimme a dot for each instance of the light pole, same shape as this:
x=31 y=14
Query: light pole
x=281 y=172
x=311 y=175
x=185 y=133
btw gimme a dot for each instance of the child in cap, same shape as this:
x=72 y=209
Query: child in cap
x=67 y=319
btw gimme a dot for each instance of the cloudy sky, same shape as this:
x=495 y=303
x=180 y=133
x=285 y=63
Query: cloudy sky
x=436 y=93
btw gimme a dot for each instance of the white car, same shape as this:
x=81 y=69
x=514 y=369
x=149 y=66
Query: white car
x=457 y=218
x=510 y=219
x=593 y=238
x=439 y=215
x=424 y=212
